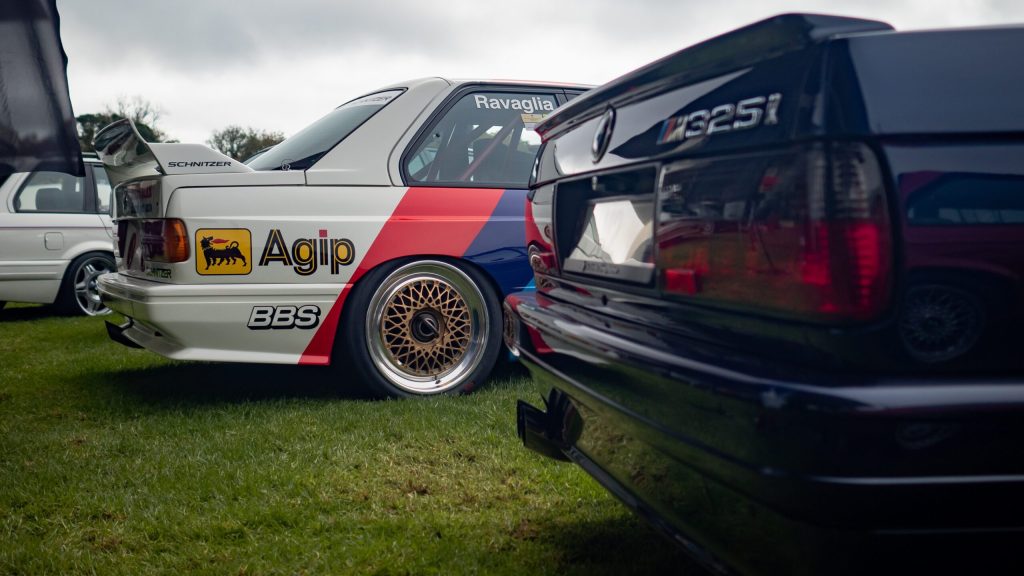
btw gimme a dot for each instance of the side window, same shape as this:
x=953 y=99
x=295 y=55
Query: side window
x=99 y=175
x=51 y=192
x=966 y=199
x=486 y=139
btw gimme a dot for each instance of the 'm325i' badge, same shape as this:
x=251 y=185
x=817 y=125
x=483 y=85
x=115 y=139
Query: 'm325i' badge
x=743 y=115
x=223 y=251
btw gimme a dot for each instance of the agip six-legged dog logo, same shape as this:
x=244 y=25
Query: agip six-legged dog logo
x=218 y=256
x=223 y=251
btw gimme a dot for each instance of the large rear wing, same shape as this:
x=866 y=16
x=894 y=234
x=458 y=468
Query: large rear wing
x=126 y=155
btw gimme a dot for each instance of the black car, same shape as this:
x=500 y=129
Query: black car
x=780 y=285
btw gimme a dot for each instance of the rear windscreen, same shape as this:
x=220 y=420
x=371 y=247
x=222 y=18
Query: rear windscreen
x=311 y=143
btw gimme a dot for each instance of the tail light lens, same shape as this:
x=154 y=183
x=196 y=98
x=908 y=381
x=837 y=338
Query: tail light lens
x=543 y=263
x=171 y=245
x=162 y=239
x=803 y=233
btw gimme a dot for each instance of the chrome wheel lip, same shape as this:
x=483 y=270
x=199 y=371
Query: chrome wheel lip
x=87 y=294
x=473 y=354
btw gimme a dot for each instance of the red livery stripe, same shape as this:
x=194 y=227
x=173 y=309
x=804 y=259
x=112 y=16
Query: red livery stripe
x=427 y=221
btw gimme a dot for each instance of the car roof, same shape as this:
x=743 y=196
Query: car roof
x=529 y=83
x=456 y=82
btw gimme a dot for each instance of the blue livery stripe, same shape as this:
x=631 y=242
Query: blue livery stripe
x=500 y=247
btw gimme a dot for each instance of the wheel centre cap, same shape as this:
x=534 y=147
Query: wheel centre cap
x=426 y=326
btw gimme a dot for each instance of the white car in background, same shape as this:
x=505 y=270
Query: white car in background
x=56 y=238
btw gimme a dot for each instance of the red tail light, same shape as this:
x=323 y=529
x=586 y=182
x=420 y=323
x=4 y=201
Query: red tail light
x=849 y=266
x=804 y=233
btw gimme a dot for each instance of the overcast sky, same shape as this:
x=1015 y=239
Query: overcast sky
x=279 y=65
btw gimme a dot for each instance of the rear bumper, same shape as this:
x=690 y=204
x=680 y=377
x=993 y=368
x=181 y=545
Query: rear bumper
x=209 y=321
x=775 y=473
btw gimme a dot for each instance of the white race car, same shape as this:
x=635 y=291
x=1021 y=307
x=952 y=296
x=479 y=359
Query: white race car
x=382 y=237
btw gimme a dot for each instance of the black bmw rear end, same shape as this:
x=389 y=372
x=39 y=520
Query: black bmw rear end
x=779 y=285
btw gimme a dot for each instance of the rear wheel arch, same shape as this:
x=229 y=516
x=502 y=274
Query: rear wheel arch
x=354 y=341
x=996 y=290
x=78 y=293
x=80 y=248
x=461 y=262
x=946 y=314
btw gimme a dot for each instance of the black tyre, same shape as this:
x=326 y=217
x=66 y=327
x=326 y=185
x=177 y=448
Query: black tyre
x=940 y=323
x=421 y=328
x=78 y=291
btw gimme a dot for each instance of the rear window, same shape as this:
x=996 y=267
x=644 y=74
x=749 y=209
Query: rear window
x=311 y=143
x=51 y=192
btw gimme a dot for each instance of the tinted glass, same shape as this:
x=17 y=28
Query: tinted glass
x=485 y=139
x=51 y=192
x=310 y=144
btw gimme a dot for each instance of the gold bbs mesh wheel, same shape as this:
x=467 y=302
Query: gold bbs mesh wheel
x=426 y=327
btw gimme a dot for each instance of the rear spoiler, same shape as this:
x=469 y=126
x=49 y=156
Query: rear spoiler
x=126 y=155
x=722 y=54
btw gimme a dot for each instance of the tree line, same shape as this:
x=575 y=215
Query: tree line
x=238 y=142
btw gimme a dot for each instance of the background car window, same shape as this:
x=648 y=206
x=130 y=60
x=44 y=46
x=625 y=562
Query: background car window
x=51 y=192
x=968 y=199
x=99 y=174
x=311 y=143
x=485 y=139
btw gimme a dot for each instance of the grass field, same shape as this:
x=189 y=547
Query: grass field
x=118 y=461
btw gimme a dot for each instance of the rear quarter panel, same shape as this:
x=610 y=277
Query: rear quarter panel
x=960 y=211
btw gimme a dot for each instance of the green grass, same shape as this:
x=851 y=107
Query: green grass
x=118 y=461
